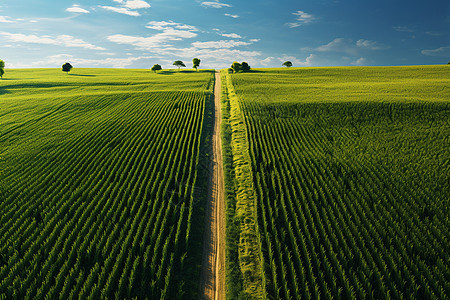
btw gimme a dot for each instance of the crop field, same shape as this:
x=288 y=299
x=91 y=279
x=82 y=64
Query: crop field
x=99 y=183
x=350 y=172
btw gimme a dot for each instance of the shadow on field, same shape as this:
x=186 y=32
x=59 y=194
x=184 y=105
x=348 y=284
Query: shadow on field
x=164 y=72
x=79 y=75
x=173 y=72
x=3 y=91
x=199 y=71
x=22 y=85
x=255 y=71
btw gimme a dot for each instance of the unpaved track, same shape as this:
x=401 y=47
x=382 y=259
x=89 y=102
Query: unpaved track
x=213 y=265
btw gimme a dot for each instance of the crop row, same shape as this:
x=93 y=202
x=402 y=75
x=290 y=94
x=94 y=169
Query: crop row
x=351 y=197
x=108 y=213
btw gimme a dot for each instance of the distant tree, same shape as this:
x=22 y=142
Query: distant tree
x=179 y=64
x=2 y=68
x=230 y=70
x=67 y=67
x=196 y=63
x=236 y=67
x=287 y=64
x=156 y=68
x=245 y=67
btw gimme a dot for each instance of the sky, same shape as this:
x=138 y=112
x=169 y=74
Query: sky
x=141 y=33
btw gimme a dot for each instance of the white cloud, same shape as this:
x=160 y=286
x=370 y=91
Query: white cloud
x=59 y=59
x=5 y=19
x=297 y=62
x=60 y=40
x=370 y=45
x=213 y=58
x=338 y=45
x=254 y=40
x=136 y=4
x=163 y=45
x=155 y=41
x=121 y=10
x=170 y=31
x=128 y=7
x=216 y=4
x=359 y=62
x=142 y=43
x=349 y=46
x=77 y=9
x=442 y=51
x=160 y=25
x=165 y=25
x=232 y=16
x=434 y=33
x=231 y=35
x=186 y=27
x=403 y=29
x=268 y=61
x=220 y=44
x=303 y=18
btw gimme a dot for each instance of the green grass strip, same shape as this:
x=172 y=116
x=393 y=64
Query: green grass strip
x=245 y=216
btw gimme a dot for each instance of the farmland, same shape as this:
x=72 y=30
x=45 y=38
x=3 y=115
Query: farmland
x=337 y=182
x=101 y=183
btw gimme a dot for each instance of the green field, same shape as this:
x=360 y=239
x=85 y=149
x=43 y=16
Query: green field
x=101 y=183
x=338 y=183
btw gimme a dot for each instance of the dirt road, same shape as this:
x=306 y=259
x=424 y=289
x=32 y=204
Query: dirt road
x=213 y=265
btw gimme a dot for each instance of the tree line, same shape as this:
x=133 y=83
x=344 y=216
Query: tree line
x=179 y=64
x=235 y=67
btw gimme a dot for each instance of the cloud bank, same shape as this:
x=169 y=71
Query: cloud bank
x=60 y=40
x=442 y=51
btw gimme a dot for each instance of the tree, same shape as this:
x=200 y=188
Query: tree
x=196 y=63
x=179 y=64
x=2 y=68
x=245 y=67
x=67 y=67
x=287 y=64
x=156 y=68
x=236 y=67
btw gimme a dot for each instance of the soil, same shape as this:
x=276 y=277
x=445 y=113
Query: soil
x=213 y=265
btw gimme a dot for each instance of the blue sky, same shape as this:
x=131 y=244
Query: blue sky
x=138 y=33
